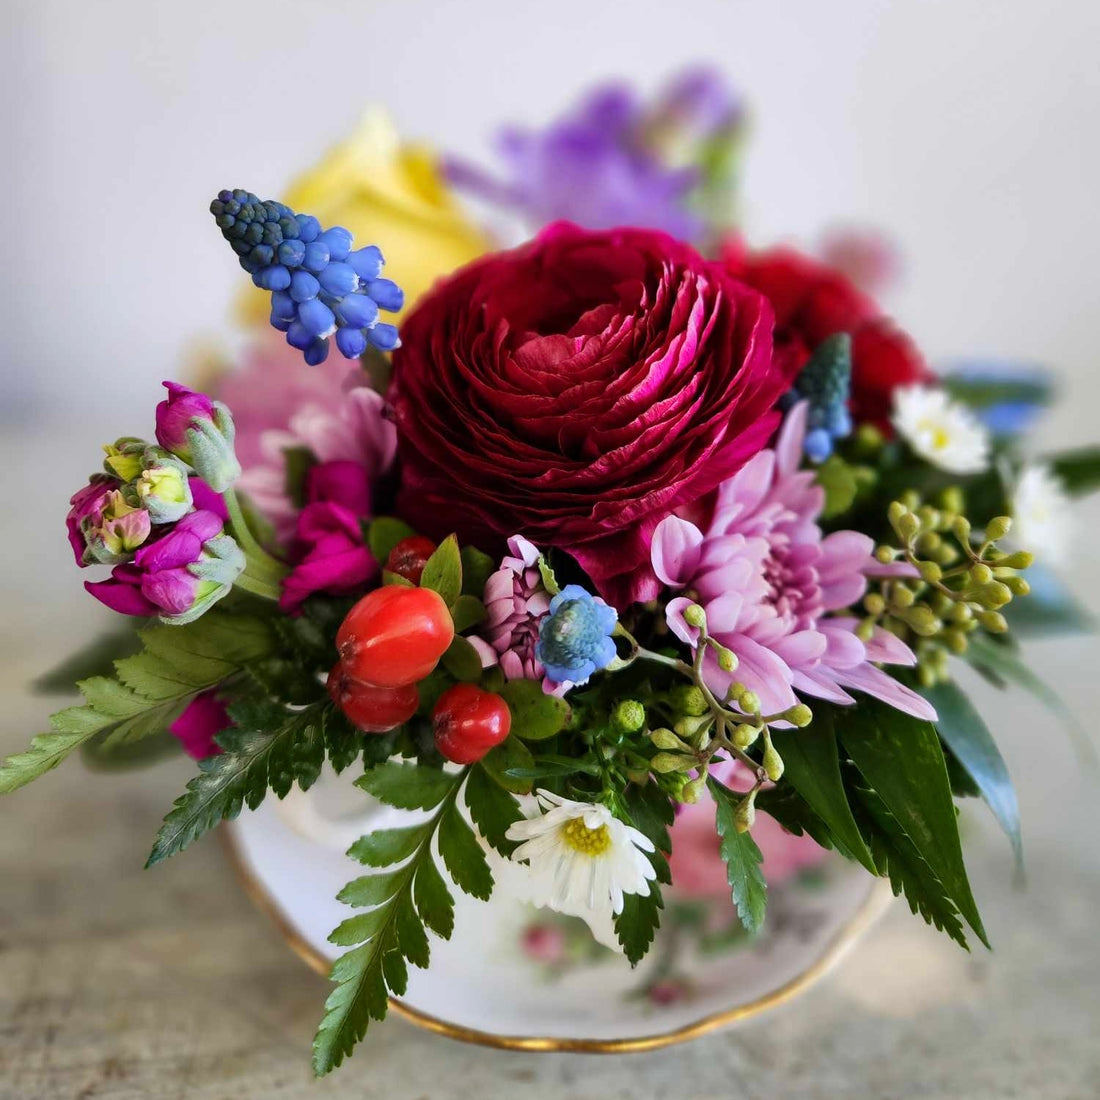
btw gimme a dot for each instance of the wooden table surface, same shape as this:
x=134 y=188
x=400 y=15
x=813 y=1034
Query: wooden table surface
x=119 y=984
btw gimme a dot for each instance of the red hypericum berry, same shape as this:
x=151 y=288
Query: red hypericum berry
x=468 y=722
x=369 y=708
x=395 y=635
x=408 y=558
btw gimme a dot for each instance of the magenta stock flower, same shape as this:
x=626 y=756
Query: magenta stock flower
x=770 y=583
x=329 y=548
x=200 y=432
x=199 y=723
x=177 y=575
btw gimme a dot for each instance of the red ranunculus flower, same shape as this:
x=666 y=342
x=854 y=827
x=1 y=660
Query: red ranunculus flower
x=576 y=390
x=812 y=302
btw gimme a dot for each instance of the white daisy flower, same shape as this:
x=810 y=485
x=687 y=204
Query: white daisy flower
x=1042 y=515
x=582 y=860
x=940 y=430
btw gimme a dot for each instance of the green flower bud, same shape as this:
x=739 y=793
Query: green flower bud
x=929 y=517
x=907 y=527
x=997 y=528
x=930 y=572
x=961 y=528
x=749 y=702
x=1022 y=559
x=799 y=715
x=911 y=499
x=124 y=457
x=885 y=554
x=945 y=554
x=956 y=641
x=902 y=597
x=952 y=499
x=689 y=727
x=665 y=739
x=688 y=699
x=866 y=630
x=895 y=512
x=980 y=574
x=693 y=789
x=868 y=439
x=961 y=613
x=772 y=761
x=941 y=603
x=727 y=659
x=922 y=620
x=1018 y=586
x=928 y=543
x=628 y=716
x=695 y=616
x=995 y=595
x=665 y=762
x=874 y=603
x=744 y=815
x=993 y=621
x=744 y=735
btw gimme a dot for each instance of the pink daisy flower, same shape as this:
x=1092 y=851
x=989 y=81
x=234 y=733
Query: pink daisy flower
x=771 y=585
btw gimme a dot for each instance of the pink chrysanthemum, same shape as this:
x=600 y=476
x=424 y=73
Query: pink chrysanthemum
x=770 y=583
x=515 y=602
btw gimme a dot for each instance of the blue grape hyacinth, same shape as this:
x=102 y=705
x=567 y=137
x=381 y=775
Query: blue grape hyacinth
x=320 y=286
x=825 y=381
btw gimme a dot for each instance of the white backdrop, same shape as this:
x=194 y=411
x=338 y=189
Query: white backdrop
x=968 y=129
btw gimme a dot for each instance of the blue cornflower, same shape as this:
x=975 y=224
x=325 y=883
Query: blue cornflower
x=575 y=636
x=825 y=382
x=319 y=286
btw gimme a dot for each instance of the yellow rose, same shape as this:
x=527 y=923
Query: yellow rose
x=391 y=194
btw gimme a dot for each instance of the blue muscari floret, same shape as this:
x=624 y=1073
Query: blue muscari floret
x=319 y=286
x=575 y=636
x=825 y=381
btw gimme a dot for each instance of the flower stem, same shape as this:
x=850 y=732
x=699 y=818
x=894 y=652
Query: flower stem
x=260 y=563
x=258 y=586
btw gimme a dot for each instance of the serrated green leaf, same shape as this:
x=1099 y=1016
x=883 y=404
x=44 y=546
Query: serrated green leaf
x=793 y=812
x=555 y=767
x=503 y=759
x=651 y=813
x=406 y=786
x=268 y=747
x=443 y=571
x=812 y=766
x=969 y=739
x=900 y=758
x=477 y=568
x=536 y=716
x=742 y=858
x=462 y=661
x=370 y=889
x=492 y=809
x=637 y=924
x=383 y=534
x=467 y=611
x=151 y=688
x=386 y=846
x=415 y=897
x=433 y=900
x=463 y=857
x=908 y=871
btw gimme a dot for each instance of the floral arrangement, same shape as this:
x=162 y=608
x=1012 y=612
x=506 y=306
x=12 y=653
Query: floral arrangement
x=624 y=520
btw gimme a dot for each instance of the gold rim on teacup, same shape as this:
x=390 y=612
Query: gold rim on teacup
x=873 y=905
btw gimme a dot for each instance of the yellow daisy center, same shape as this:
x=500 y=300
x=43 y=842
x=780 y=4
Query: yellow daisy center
x=589 y=842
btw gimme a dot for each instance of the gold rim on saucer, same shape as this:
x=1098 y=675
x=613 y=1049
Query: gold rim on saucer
x=877 y=899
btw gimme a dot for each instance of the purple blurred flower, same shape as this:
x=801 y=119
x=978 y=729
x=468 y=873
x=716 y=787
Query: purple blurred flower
x=199 y=723
x=614 y=161
x=329 y=548
x=178 y=575
x=200 y=432
x=769 y=582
